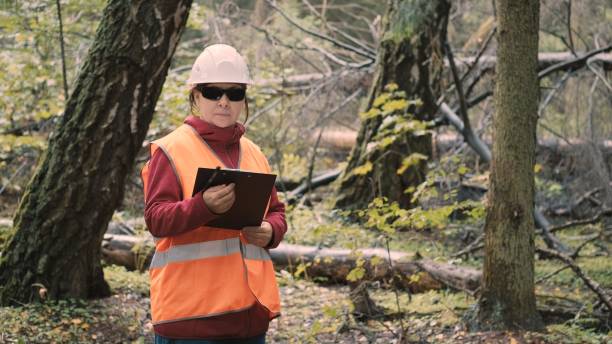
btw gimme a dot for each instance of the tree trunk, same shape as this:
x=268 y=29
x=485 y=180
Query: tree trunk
x=411 y=56
x=508 y=298
x=65 y=210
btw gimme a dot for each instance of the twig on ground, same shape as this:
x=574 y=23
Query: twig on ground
x=591 y=284
x=473 y=246
x=545 y=277
x=597 y=217
x=592 y=238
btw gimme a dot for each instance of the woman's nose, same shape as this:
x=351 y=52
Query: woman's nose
x=224 y=101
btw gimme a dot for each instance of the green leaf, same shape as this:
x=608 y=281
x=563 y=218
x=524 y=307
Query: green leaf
x=462 y=170
x=375 y=261
x=356 y=274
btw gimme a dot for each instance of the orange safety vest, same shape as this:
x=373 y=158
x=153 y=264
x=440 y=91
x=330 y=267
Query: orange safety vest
x=207 y=271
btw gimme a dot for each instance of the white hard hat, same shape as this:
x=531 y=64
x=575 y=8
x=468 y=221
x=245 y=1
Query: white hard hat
x=219 y=63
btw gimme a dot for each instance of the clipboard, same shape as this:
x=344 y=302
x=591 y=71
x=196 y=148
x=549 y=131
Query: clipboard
x=252 y=190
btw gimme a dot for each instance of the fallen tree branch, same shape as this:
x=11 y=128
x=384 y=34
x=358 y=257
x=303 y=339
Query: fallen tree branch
x=562 y=309
x=591 y=284
x=324 y=179
x=548 y=62
x=547 y=276
x=473 y=246
x=329 y=264
x=590 y=239
x=596 y=218
x=480 y=52
x=573 y=63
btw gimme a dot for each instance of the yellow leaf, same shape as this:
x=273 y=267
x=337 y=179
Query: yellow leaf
x=380 y=100
x=410 y=160
x=363 y=169
x=386 y=141
x=391 y=87
x=76 y=321
x=395 y=105
x=373 y=112
x=537 y=168
x=20 y=38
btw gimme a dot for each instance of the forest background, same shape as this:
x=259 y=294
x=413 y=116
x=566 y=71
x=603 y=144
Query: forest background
x=315 y=64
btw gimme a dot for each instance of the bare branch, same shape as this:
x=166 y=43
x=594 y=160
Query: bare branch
x=552 y=92
x=337 y=60
x=353 y=39
x=480 y=52
x=596 y=218
x=269 y=107
x=591 y=284
x=274 y=40
x=473 y=246
x=591 y=238
x=597 y=73
x=463 y=111
x=574 y=63
x=61 y=32
x=337 y=43
x=569 y=27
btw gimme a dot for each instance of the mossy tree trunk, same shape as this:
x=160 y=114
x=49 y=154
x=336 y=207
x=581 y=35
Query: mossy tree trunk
x=411 y=56
x=507 y=300
x=80 y=180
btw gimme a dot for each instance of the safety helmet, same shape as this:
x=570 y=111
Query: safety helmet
x=219 y=63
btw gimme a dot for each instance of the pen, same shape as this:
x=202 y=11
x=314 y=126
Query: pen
x=210 y=180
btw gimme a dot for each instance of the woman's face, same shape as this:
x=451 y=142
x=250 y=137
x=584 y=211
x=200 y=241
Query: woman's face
x=221 y=113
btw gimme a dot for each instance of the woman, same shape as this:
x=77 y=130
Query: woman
x=209 y=285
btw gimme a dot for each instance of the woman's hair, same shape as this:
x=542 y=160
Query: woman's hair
x=194 y=107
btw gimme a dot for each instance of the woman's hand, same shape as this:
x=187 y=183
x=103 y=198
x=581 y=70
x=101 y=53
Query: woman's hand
x=220 y=198
x=258 y=236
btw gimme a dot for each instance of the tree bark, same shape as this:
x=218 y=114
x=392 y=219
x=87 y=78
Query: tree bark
x=411 y=56
x=65 y=210
x=507 y=300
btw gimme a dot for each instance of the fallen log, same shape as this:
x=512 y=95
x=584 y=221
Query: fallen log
x=324 y=179
x=327 y=265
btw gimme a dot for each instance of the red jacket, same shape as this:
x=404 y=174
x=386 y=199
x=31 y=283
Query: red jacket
x=167 y=214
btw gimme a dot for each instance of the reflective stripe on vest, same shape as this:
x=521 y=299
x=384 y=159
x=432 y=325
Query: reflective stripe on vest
x=206 y=249
x=207 y=271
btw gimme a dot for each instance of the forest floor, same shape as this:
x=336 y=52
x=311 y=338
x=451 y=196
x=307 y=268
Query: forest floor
x=317 y=313
x=312 y=313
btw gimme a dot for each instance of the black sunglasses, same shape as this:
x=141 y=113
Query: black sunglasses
x=215 y=93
